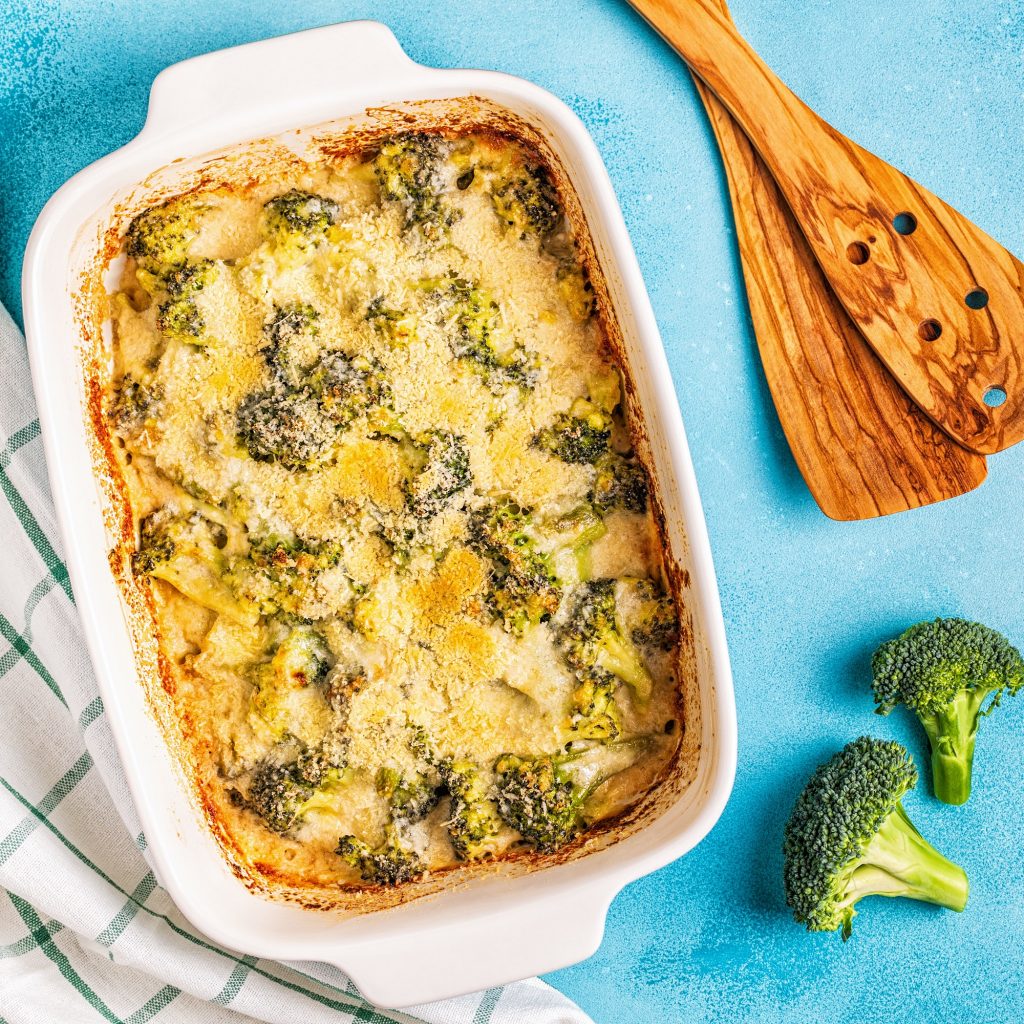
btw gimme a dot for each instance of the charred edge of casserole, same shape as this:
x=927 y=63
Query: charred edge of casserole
x=179 y=730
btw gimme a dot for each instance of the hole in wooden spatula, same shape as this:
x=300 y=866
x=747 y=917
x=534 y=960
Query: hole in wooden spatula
x=929 y=330
x=905 y=223
x=994 y=397
x=858 y=253
x=977 y=298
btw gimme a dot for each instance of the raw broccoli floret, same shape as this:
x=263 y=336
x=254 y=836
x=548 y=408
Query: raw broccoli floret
x=158 y=241
x=479 y=338
x=849 y=837
x=283 y=333
x=525 y=199
x=391 y=863
x=410 y=170
x=524 y=589
x=184 y=548
x=578 y=436
x=594 y=646
x=348 y=386
x=951 y=673
x=299 y=217
x=394 y=324
x=134 y=403
x=620 y=482
x=445 y=473
x=281 y=424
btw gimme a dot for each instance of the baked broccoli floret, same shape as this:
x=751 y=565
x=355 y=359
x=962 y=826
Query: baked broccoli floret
x=578 y=436
x=523 y=587
x=594 y=714
x=479 y=337
x=576 y=534
x=951 y=673
x=410 y=799
x=134 y=404
x=410 y=170
x=180 y=317
x=849 y=837
x=445 y=473
x=281 y=424
x=279 y=576
x=621 y=482
x=473 y=821
x=389 y=864
x=299 y=217
x=184 y=549
x=347 y=387
x=158 y=241
x=526 y=200
x=283 y=333
x=648 y=613
x=576 y=290
x=283 y=794
x=394 y=324
x=593 y=645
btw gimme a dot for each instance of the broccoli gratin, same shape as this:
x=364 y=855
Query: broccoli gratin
x=402 y=559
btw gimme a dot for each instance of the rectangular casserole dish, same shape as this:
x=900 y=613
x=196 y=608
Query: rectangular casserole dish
x=465 y=938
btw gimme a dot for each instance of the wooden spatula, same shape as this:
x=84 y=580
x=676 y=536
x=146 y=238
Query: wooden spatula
x=940 y=302
x=863 y=447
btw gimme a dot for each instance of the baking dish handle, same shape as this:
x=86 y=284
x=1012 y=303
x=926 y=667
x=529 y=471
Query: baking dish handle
x=540 y=935
x=249 y=80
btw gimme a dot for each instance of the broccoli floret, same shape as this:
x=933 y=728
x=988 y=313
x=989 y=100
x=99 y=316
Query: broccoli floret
x=473 y=821
x=299 y=217
x=394 y=324
x=594 y=714
x=951 y=673
x=577 y=534
x=281 y=424
x=389 y=864
x=347 y=387
x=621 y=482
x=283 y=794
x=410 y=170
x=526 y=200
x=158 y=240
x=288 y=698
x=524 y=589
x=410 y=798
x=282 y=333
x=576 y=290
x=649 y=614
x=479 y=339
x=184 y=549
x=593 y=645
x=849 y=837
x=279 y=576
x=445 y=473
x=134 y=404
x=579 y=436
x=181 y=319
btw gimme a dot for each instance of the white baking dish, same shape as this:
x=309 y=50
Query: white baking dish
x=495 y=929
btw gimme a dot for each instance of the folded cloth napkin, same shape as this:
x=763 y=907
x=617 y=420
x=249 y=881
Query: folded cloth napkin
x=86 y=934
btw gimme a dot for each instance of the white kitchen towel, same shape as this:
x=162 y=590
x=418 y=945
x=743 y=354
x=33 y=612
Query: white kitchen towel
x=86 y=934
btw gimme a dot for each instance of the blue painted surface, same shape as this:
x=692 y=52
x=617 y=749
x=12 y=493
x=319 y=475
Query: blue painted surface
x=936 y=88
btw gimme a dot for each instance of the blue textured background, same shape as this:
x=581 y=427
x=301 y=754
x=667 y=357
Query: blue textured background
x=937 y=91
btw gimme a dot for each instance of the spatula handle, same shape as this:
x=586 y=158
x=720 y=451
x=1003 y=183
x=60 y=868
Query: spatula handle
x=909 y=294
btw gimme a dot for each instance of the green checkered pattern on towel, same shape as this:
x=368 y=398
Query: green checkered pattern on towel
x=86 y=934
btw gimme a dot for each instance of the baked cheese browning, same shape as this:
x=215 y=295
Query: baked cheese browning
x=401 y=552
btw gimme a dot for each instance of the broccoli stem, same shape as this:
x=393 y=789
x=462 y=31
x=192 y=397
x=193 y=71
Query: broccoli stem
x=899 y=861
x=951 y=734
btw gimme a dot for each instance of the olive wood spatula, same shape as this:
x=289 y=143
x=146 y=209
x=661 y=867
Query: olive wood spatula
x=939 y=301
x=863 y=448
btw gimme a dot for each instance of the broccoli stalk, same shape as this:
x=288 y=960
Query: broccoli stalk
x=951 y=672
x=849 y=837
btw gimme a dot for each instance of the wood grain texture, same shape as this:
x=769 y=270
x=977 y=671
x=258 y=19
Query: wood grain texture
x=842 y=196
x=863 y=447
